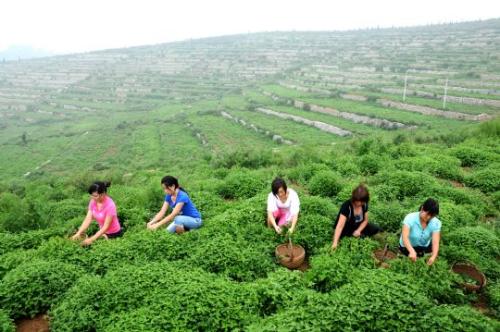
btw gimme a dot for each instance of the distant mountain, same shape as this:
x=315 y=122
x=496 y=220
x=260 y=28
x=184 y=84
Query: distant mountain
x=16 y=52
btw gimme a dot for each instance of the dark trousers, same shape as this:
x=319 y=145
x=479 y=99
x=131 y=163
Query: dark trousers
x=115 y=235
x=420 y=250
x=369 y=230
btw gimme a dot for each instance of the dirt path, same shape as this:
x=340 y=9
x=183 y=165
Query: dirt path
x=39 y=323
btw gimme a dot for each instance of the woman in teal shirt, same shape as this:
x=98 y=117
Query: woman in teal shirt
x=421 y=232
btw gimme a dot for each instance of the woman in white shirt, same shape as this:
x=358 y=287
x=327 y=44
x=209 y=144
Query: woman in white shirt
x=283 y=207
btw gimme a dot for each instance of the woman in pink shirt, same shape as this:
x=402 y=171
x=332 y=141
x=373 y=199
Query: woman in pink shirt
x=103 y=210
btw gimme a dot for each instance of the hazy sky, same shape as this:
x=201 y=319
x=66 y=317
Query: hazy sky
x=62 y=26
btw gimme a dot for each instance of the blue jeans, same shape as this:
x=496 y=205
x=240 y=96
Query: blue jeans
x=186 y=221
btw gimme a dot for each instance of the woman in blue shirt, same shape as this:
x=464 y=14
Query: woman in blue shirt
x=421 y=232
x=184 y=215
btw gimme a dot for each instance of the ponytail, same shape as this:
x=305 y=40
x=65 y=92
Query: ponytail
x=169 y=181
x=99 y=187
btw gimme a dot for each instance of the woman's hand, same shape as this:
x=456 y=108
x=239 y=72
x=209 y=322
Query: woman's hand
x=334 y=246
x=152 y=226
x=87 y=242
x=76 y=237
x=278 y=229
x=431 y=260
x=413 y=255
x=356 y=233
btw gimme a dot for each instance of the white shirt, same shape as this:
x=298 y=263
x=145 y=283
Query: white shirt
x=292 y=203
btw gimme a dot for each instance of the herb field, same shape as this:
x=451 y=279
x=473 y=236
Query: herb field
x=415 y=114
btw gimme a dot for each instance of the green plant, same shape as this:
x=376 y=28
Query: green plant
x=313 y=232
x=374 y=300
x=240 y=184
x=6 y=324
x=135 y=298
x=456 y=318
x=332 y=269
x=493 y=292
x=325 y=183
x=33 y=287
x=437 y=280
x=486 y=180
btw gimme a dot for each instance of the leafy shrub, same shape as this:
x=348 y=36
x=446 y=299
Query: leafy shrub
x=13 y=259
x=304 y=172
x=317 y=205
x=437 y=281
x=346 y=166
x=313 y=232
x=493 y=291
x=325 y=183
x=405 y=149
x=132 y=294
x=78 y=309
x=495 y=197
x=332 y=269
x=27 y=240
x=406 y=184
x=64 y=251
x=490 y=128
x=442 y=166
x=6 y=324
x=140 y=247
x=370 y=164
x=371 y=302
x=16 y=214
x=34 y=287
x=470 y=156
x=243 y=158
x=456 y=252
x=236 y=258
x=454 y=216
x=456 y=318
x=486 y=180
x=476 y=238
x=388 y=215
x=278 y=290
x=207 y=203
x=240 y=184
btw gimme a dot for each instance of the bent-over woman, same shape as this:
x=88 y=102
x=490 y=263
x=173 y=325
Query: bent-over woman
x=184 y=215
x=103 y=210
x=352 y=219
x=283 y=206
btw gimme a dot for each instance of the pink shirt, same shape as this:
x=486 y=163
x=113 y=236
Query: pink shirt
x=108 y=208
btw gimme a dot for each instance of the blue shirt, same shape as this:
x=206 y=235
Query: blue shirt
x=420 y=237
x=188 y=209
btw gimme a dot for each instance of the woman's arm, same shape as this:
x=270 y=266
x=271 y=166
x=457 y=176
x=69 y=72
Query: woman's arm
x=168 y=218
x=338 y=230
x=270 y=217
x=294 y=222
x=84 y=226
x=436 y=237
x=101 y=232
x=357 y=232
x=406 y=241
x=160 y=214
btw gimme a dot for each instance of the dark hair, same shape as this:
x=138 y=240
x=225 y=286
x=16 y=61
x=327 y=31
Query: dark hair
x=360 y=194
x=277 y=184
x=171 y=181
x=431 y=206
x=99 y=187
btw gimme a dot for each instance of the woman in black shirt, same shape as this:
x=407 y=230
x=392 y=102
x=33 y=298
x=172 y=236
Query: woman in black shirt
x=352 y=219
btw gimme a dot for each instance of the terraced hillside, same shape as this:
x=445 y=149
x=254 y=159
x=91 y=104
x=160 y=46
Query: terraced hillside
x=411 y=112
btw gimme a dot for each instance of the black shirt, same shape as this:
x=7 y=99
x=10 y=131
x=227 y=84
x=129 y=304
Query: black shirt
x=352 y=221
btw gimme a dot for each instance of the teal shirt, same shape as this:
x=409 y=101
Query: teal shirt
x=420 y=237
